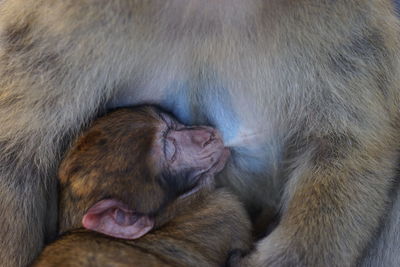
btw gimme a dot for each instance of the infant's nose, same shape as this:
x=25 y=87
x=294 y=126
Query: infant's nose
x=202 y=137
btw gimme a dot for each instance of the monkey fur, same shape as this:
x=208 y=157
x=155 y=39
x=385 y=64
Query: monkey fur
x=305 y=92
x=117 y=158
x=204 y=236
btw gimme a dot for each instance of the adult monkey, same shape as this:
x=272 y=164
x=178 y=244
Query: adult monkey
x=305 y=91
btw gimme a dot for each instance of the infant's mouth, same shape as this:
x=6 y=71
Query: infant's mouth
x=220 y=163
x=206 y=177
x=213 y=137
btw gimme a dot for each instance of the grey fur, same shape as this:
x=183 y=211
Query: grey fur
x=314 y=89
x=385 y=249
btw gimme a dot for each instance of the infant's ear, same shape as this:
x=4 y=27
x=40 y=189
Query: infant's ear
x=112 y=217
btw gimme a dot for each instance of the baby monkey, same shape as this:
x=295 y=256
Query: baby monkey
x=138 y=172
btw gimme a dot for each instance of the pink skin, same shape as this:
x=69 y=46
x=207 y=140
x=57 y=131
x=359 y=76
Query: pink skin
x=112 y=217
x=178 y=147
x=199 y=147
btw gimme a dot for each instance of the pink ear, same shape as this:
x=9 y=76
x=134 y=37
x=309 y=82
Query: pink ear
x=114 y=218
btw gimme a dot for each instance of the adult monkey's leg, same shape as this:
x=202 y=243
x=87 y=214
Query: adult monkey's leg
x=336 y=195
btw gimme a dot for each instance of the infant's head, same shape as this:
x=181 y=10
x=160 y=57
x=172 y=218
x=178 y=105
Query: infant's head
x=133 y=166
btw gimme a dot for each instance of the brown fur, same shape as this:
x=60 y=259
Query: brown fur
x=305 y=91
x=205 y=235
x=115 y=150
x=113 y=159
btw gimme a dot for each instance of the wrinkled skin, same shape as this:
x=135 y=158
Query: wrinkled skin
x=305 y=92
x=132 y=165
x=152 y=204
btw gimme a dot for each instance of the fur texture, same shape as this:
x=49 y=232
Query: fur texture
x=203 y=235
x=306 y=92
